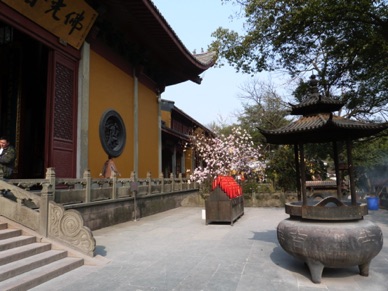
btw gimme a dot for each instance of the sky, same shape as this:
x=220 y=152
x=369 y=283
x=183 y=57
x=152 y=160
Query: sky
x=216 y=98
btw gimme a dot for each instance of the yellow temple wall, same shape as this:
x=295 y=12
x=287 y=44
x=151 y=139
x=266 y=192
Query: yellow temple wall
x=113 y=89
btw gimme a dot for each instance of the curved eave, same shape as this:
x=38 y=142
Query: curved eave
x=141 y=21
x=320 y=129
x=315 y=108
x=316 y=105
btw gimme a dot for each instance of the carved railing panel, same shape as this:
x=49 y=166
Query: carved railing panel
x=46 y=217
x=20 y=194
x=68 y=226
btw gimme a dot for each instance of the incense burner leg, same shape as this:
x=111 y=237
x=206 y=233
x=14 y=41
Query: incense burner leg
x=364 y=269
x=316 y=269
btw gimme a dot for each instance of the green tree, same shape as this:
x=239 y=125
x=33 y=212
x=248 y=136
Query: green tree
x=370 y=157
x=281 y=168
x=344 y=42
x=264 y=108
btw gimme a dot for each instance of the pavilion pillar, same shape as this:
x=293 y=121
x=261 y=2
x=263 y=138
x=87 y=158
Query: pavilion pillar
x=337 y=171
x=351 y=172
x=303 y=174
x=298 y=187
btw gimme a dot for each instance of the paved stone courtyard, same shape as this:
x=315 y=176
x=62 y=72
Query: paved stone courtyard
x=176 y=250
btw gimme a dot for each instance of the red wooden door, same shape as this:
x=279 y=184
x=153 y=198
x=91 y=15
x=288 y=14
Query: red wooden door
x=61 y=122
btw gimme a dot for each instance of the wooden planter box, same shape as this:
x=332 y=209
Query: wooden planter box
x=220 y=208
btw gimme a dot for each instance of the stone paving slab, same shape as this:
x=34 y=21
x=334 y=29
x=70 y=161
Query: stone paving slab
x=176 y=250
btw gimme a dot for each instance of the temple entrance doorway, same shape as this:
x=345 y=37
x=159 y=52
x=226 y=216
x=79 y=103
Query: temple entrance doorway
x=23 y=91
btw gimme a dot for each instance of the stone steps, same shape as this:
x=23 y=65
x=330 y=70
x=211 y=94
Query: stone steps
x=22 y=252
x=26 y=263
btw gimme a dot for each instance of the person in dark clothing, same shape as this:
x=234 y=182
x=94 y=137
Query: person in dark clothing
x=7 y=157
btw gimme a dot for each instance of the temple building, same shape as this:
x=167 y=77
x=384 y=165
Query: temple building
x=177 y=126
x=82 y=80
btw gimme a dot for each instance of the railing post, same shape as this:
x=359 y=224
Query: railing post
x=195 y=185
x=88 y=186
x=45 y=197
x=180 y=181
x=172 y=182
x=161 y=178
x=149 y=181
x=50 y=177
x=114 y=186
x=133 y=183
x=134 y=189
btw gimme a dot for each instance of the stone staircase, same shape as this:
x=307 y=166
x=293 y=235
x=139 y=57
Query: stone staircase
x=26 y=262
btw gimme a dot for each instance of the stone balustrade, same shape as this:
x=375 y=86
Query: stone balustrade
x=55 y=207
x=88 y=189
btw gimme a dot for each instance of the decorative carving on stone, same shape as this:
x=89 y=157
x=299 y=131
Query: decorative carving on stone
x=112 y=133
x=19 y=193
x=68 y=227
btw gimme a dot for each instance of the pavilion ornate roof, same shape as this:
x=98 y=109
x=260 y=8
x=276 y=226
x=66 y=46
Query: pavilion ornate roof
x=322 y=128
x=315 y=103
x=318 y=123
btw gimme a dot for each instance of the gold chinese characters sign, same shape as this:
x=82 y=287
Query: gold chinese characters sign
x=70 y=20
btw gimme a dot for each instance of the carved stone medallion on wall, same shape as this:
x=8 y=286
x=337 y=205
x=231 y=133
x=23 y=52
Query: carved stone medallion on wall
x=112 y=133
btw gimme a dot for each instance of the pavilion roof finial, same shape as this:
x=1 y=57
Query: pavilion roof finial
x=313 y=85
x=315 y=103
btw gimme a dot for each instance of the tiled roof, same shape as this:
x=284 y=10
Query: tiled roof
x=206 y=58
x=318 y=124
x=316 y=104
x=140 y=22
x=322 y=128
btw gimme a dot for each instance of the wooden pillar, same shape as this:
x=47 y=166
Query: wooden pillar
x=297 y=165
x=303 y=174
x=337 y=171
x=351 y=173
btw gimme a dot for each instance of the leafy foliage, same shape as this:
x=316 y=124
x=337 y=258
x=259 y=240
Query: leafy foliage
x=370 y=157
x=281 y=168
x=345 y=42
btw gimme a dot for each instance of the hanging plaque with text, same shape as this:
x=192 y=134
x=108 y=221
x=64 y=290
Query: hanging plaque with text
x=70 y=20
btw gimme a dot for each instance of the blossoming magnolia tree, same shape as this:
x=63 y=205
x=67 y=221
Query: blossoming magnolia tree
x=224 y=155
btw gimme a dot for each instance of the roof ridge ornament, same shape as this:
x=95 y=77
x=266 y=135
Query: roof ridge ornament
x=314 y=87
x=313 y=84
x=314 y=103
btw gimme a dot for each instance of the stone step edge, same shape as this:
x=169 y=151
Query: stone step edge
x=40 y=275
